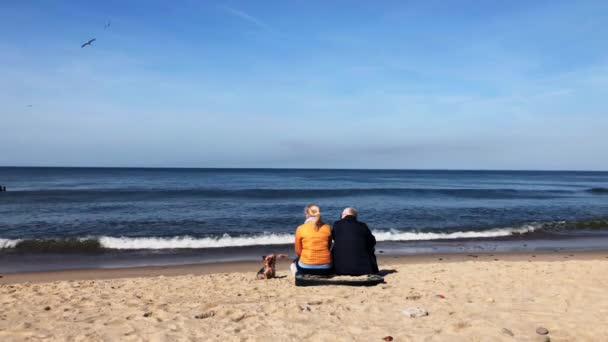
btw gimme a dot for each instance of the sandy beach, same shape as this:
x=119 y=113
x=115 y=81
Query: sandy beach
x=467 y=297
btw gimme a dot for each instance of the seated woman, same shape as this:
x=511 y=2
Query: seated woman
x=312 y=244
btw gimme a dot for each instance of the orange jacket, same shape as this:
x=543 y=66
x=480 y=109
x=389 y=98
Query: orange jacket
x=312 y=246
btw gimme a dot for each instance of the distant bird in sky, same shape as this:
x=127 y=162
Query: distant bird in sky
x=107 y=25
x=88 y=43
x=29 y=105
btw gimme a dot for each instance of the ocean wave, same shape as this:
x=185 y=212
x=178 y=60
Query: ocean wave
x=284 y=239
x=181 y=242
x=150 y=194
x=101 y=243
x=418 y=236
x=8 y=243
x=52 y=245
x=89 y=244
x=598 y=191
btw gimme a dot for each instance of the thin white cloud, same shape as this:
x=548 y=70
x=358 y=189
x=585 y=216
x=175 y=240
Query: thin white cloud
x=247 y=17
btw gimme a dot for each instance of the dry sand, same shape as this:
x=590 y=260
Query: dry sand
x=485 y=300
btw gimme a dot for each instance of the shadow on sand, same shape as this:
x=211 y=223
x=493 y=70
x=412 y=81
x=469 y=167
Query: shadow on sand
x=384 y=273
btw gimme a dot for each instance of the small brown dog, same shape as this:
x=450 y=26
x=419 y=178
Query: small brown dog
x=269 y=269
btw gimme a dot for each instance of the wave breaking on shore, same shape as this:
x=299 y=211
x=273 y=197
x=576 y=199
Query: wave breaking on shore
x=101 y=243
x=188 y=242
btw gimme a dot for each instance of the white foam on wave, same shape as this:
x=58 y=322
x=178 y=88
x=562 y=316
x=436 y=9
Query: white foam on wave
x=8 y=243
x=190 y=242
x=284 y=239
x=413 y=236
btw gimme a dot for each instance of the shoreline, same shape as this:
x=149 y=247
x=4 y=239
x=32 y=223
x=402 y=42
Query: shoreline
x=17 y=261
x=283 y=265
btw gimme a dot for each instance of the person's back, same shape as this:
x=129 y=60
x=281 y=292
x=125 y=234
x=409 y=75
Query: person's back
x=353 y=248
x=312 y=242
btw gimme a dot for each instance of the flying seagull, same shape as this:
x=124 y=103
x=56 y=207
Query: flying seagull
x=107 y=25
x=87 y=43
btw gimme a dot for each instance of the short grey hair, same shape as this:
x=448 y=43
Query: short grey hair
x=349 y=212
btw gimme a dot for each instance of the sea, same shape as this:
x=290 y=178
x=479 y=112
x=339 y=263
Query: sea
x=71 y=218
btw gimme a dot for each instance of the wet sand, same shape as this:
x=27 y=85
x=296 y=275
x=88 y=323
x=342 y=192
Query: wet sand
x=283 y=265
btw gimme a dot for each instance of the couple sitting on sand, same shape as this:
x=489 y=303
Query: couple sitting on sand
x=347 y=249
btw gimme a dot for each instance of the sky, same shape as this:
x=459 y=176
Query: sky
x=305 y=84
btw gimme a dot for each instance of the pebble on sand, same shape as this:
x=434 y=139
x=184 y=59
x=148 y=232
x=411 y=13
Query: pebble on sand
x=507 y=332
x=47 y=308
x=205 y=315
x=542 y=331
x=148 y=314
x=415 y=312
x=388 y=338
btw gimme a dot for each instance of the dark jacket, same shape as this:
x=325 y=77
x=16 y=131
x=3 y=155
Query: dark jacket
x=353 y=248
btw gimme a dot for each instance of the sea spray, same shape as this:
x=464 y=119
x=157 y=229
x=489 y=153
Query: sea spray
x=8 y=243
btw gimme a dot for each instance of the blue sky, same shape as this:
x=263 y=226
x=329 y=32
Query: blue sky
x=317 y=84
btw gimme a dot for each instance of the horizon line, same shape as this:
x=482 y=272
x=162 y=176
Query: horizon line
x=294 y=168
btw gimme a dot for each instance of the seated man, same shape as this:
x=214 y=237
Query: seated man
x=353 y=249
